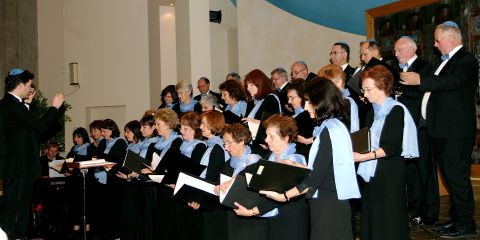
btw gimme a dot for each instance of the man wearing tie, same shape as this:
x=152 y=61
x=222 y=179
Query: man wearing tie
x=279 y=77
x=19 y=162
x=421 y=180
x=203 y=85
x=448 y=107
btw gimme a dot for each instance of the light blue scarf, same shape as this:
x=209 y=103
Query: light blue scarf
x=134 y=147
x=110 y=144
x=240 y=163
x=169 y=105
x=342 y=152
x=297 y=111
x=239 y=109
x=102 y=175
x=289 y=154
x=146 y=143
x=206 y=156
x=81 y=149
x=258 y=103
x=187 y=147
x=354 y=119
x=188 y=108
x=409 y=145
x=164 y=144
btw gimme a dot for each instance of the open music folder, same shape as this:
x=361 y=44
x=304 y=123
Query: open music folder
x=275 y=176
x=195 y=189
x=238 y=192
x=134 y=162
x=361 y=140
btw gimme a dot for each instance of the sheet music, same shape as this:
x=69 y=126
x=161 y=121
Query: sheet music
x=156 y=178
x=184 y=179
x=54 y=168
x=253 y=128
x=155 y=160
x=225 y=178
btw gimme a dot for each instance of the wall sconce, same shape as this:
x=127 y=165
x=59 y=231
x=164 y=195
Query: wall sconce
x=73 y=73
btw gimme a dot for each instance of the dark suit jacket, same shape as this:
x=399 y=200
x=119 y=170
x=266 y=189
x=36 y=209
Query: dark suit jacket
x=282 y=95
x=411 y=96
x=310 y=76
x=44 y=160
x=451 y=106
x=349 y=71
x=19 y=130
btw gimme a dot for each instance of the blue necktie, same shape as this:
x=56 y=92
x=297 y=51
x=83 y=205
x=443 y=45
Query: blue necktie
x=403 y=66
x=445 y=57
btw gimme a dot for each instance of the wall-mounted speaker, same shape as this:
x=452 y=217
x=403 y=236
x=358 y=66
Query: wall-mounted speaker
x=73 y=73
x=216 y=16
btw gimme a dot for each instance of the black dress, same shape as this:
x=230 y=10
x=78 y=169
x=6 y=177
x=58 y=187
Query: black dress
x=384 y=211
x=189 y=220
x=268 y=107
x=240 y=228
x=109 y=196
x=330 y=217
x=215 y=221
x=305 y=125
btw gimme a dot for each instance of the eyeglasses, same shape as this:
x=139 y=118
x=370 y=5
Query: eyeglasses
x=364 y=53
x=228 y=143
x=297 y=72
x=364 y=90
x=336 y=53
x=292 y=97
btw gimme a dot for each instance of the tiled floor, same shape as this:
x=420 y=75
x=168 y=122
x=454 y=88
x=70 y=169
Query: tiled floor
x=423 y=233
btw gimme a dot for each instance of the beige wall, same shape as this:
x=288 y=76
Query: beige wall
x=109 y=40
x=223 y=46
x=168 y=46
x=269 y=37
x=119 y=46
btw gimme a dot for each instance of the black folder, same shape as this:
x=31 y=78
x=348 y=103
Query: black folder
x=275 y=176
x=231 y=117
x=361 y=140
x=134 y=162
x=177 y=163
x=239 y=193
x=193 y=189
x=354 y=82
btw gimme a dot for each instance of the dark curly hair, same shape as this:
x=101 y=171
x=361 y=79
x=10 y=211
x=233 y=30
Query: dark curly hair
x=234 y=89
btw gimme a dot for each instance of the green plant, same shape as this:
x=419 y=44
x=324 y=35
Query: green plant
x=40 y=106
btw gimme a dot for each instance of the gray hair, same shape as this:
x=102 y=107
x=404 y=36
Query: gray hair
x=210 y=100
x=410 y=41
x=184 y=86
x=451 y=29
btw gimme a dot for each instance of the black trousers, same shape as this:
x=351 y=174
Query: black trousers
x=454 y=158
x=421 y=179
x=16 y=206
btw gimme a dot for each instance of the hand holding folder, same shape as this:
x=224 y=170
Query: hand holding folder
x=361 y=141
x=237 y=192
x=275 y=176
x=194 y=189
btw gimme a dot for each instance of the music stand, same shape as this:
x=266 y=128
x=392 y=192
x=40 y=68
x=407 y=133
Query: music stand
x=83 y=167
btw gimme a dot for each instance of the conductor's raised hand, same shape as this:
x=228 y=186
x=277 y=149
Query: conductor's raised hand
x=58 y=100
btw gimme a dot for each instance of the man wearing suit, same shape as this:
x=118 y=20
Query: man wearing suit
x=299 y=70
x=279 y=77
x=448 y=109
x=203 y=85
x=421 y=180
x=19 y=163
x=340 y=55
